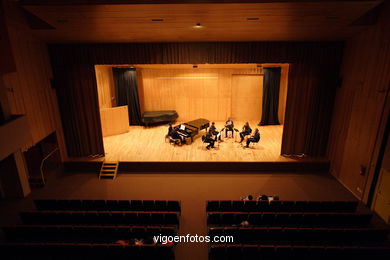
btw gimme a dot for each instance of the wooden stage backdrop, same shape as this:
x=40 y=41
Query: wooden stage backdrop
x=212 y=91
x=214 y=94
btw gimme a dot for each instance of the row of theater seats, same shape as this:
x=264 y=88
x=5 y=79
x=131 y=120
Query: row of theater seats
x=319 y=236
x=83 y=234
x=71 y=251
x=280 y=206
x=109 y=205
x=291 y=252
x=290 y=219
x=99 y=218
x=293 y=230
x=93 y=229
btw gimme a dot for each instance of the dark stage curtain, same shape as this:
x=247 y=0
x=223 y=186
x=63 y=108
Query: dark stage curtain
x=271 y=86
x=310 y=97
x=127 y=92
x=78 y=101
x=311 y=89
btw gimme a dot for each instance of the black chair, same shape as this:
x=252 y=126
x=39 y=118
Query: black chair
x=300 y=206
x=249 y=252
x=314 y=206
x=171 y=219
x=225 y=205
x=212 y=206
x=76 y=205
x=237 y=205
x=136 y=205
x=160 y=205
x=173 y=206
x=148 y=205
x=124 y=205
x=275 y=205
x=100 y=205
x=228 y=219
x=157 y=218
x=263 y=206
x=288 y=206
x=250 y=205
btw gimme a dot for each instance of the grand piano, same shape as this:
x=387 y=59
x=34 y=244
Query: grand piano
x=192 y=128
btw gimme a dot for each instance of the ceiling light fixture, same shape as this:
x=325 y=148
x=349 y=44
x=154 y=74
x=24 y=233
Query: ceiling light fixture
x=198 y=26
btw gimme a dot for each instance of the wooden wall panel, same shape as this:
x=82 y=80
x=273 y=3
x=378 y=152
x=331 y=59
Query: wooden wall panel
x=247 y=97
x=106 y=86
x=29 y=89
x=359 y=106
x=193 y=93
x=115 y=120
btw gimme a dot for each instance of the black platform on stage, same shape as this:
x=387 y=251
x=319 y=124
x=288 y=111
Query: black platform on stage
x=154 y=117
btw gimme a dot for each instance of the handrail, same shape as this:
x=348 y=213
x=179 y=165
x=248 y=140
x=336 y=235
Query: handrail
x=43 y=161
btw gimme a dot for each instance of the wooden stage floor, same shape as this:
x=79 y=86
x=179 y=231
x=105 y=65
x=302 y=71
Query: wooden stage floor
x=148 y=144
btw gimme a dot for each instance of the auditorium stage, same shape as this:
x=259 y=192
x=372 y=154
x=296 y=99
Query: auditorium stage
x=144 y=149
x=148 y=144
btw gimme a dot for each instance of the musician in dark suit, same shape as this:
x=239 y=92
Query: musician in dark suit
x=210 y=139
x=170 y=128
x=229 y=126
x=246 y=130
x=214 y=131
x=254 y=138
x=175 y=135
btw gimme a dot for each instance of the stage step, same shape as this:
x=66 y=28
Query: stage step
x=109 y=170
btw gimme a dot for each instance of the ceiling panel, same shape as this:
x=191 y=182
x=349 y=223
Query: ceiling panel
x=280 y=21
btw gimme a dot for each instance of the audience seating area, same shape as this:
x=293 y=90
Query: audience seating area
x=90 y=229
x=281 y=206
x=81 y=251
x=298 y=235
x=294 y=230
x=289 y=219
x=83 y=234
x=292 y=252
x=99 y=218
x=108 y=205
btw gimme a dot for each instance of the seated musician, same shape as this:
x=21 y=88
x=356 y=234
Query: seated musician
x=210 y=139
x=214 y=131
x=246 y=130
x=229 y=126
x=255 y=138
x=170 y=128
x=175 y=135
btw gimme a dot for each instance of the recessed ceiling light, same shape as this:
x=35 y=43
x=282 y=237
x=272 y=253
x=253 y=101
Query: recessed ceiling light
x=157 y=20
x=198 y=26
x=253 y=18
